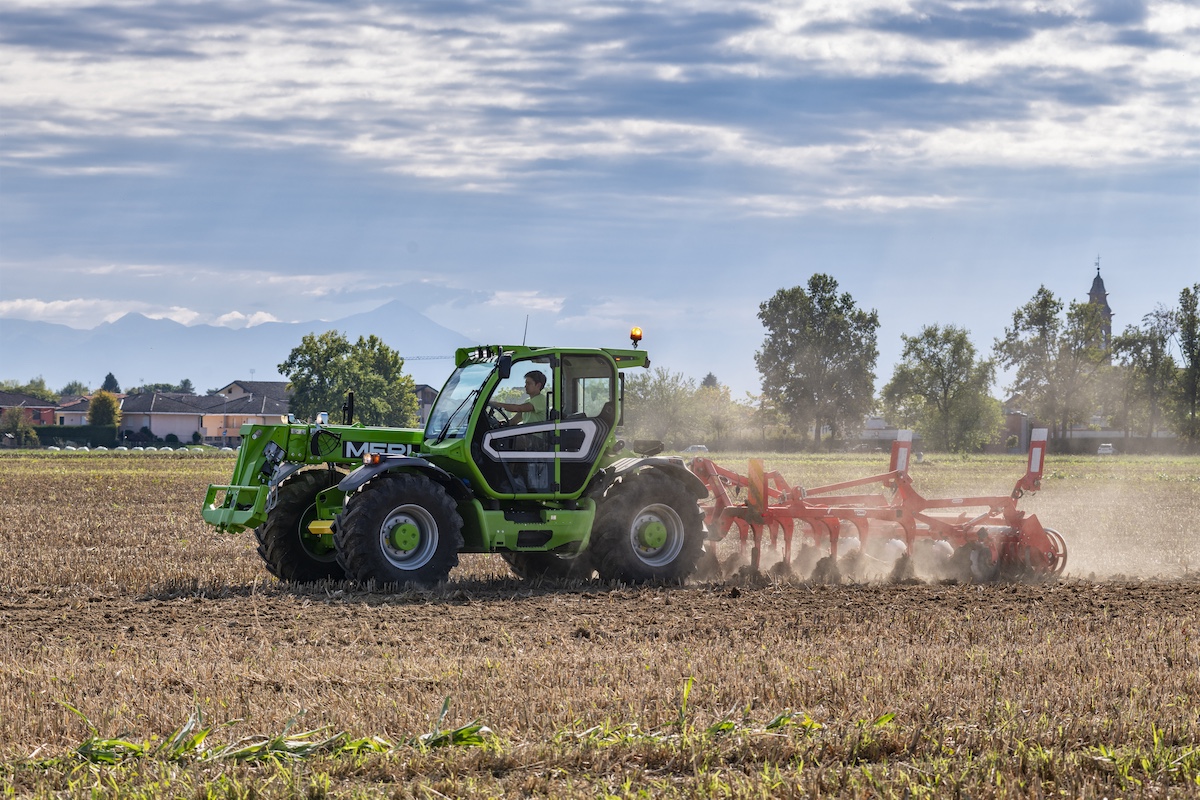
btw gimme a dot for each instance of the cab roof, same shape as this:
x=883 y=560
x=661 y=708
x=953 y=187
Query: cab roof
x=482 y=353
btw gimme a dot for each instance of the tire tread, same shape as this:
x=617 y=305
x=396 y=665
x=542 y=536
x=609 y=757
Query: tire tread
x=614 y=559
x=357 y=539
x=279 y=544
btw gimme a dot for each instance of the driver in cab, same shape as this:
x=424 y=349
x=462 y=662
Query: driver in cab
x=533 y=407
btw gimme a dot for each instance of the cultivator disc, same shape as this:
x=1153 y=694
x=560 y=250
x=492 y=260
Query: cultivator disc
x=846 y=529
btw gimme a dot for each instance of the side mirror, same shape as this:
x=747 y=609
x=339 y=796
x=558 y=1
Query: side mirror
x=504 y=366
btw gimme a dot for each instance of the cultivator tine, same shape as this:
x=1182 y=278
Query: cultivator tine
x=985 y=530
x=756 y=505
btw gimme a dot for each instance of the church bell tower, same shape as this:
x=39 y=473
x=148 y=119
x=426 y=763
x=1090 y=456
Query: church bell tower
x=1099 y=297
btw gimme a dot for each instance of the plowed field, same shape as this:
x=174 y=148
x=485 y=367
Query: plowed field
x=122 y=616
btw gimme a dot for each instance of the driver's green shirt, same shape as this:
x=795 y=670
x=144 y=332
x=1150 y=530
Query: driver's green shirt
x=539 y=410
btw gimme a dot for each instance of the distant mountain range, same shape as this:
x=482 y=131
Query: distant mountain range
x=139 y=350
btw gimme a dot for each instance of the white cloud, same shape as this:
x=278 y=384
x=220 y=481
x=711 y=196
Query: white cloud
x=123 y=270
x=184 y=316
x=123 y=169
x=1172 y=18
x=236 y=319
x=419 y=95
x=88 y=313
x=884 y=203
x=77 y=313
x=531 y=301
x=795 y=206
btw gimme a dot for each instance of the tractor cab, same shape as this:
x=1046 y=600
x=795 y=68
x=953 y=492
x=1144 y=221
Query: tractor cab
x=552 y=448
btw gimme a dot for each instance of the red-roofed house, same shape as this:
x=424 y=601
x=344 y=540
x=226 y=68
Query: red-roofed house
x=37 y=411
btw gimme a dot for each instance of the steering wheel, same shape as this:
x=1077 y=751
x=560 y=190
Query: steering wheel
x=498 y=416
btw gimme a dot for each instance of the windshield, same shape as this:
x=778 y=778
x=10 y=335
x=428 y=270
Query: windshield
x=452 y=411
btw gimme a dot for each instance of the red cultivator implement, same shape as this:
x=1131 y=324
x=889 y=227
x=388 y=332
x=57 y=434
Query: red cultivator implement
x=962 y=538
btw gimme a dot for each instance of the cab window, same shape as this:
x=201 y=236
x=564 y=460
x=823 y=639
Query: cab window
x=587 y=387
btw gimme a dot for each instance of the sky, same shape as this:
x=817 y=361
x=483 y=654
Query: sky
x=589 y=167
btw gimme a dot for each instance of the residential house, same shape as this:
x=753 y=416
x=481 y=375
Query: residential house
x=274 y=389
x=74 y=410
x=161 y=415
x=225 y=414
x=217 y=418
x=36 y=410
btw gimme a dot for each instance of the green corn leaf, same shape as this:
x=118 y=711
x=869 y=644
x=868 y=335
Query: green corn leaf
x=473 y=735
x=721 y=728
x=781 y=720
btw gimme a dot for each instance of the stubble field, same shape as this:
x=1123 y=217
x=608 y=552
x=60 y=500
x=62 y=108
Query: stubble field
x=125 y=621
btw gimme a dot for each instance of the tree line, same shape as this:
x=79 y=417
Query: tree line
x=37 y=388
x=819 y=356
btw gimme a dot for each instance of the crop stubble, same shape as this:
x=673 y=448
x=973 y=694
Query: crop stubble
x=118 y=601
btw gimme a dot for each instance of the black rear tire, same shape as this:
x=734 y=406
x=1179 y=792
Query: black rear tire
x=648 y=528
x=550 y=566
x=292 y=553
x=401 y=528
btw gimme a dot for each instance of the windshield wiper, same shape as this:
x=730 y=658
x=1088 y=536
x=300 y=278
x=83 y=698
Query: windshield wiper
x=450 y=419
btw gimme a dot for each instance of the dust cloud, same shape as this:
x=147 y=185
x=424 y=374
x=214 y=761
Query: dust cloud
x=1120 y=530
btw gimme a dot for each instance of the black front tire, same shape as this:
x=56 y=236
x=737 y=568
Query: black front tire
x=648 y=528
x=292 y=553
x=401 y=528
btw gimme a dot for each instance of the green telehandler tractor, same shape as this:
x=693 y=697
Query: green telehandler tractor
x=557 y=497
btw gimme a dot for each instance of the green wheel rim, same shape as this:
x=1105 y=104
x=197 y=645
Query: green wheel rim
x=405 y=536
x=408 y=537
x=653 y=535
x=657 y=535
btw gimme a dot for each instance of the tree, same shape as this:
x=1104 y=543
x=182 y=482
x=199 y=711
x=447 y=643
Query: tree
x=76 y=389
x=35 y=388
x=1187 y=391
x=710 y=382
x=153 y=388
x=383 y=394
x=13 y=421
x=104 y=409
x=941 y=388
x=1146 y=371
x=718 y=415
x=818 y=357
x=1057 y=361
x=110 y=384
x=315 y=373
x=323 y=368
x=185 y=386
x=763 y=414
x=1080 y=363
x=659 y=404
